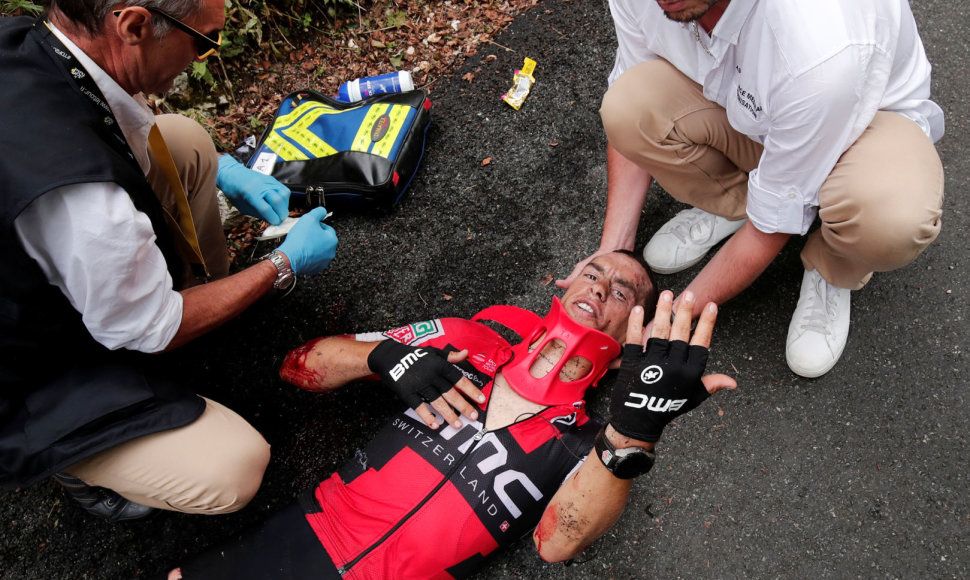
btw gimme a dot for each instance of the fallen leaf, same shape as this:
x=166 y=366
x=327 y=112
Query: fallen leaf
x=447 y=296
x=468 y=77
x=486 y=161
x=428 y=39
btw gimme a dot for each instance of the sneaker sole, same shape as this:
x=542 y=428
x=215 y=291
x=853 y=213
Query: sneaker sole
x=674 y=269
x=813 y=373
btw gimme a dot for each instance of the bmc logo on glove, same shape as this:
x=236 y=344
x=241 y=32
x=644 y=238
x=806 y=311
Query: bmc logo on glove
x=655 y=404
x=665 y=370
x=409 y=359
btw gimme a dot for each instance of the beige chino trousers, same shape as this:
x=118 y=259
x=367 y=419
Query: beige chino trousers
x=216 y=463
x=879 y=208
x=197 y=163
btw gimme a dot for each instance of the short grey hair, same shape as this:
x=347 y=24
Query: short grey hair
x=90 y=14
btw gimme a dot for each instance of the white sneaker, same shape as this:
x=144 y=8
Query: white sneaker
x=685 y=240
x=819 y=328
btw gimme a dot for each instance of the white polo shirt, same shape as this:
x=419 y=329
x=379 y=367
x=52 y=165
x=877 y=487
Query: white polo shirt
x=802 y=77
x=92 y=243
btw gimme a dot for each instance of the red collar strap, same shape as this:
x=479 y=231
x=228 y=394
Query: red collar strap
x=597 y=347
x=519 y=320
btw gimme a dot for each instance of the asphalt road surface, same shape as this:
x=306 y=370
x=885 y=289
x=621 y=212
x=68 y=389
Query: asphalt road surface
x=860 y=473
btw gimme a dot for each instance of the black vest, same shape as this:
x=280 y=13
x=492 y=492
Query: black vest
x=52 y=135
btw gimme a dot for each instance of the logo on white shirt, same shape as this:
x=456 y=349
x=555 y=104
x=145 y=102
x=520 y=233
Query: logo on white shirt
x=749 y=102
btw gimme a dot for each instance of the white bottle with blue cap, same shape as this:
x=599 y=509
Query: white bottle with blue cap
x=395 y=82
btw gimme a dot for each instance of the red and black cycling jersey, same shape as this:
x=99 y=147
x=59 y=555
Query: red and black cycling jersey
x=420 y=503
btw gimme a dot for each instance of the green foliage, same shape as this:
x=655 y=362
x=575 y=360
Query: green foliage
x=335 y=7
x=19 y=7
x=396 y=18
x=249 y=23
x=248 y=19
x=200 y=72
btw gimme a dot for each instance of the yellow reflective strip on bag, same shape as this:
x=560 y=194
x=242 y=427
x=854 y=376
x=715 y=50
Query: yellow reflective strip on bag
x=398 y=114
x=283 y=148
x=294 y=115
x=362 y=141
x=300 y=133
x=293 y=126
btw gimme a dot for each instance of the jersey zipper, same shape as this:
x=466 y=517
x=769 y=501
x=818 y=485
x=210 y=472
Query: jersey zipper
x=477 y=438
x=343 y=570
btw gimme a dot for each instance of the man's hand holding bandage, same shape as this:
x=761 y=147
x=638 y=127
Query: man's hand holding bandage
x=253 y=193
x=666 y=379
x=425 y=374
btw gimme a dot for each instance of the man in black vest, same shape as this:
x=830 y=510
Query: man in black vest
x=98 y=254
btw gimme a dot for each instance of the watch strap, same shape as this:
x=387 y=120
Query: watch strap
x=613 y=459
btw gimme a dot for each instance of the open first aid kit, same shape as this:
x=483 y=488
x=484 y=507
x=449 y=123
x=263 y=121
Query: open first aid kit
x=346 y=156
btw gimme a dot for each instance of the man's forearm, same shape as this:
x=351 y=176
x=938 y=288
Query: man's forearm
x=627 y=186
x=739 y=262
x=327 y=363
x=208 y=306
x=586 y=505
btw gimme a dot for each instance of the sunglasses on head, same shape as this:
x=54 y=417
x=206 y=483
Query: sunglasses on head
x=205 y=45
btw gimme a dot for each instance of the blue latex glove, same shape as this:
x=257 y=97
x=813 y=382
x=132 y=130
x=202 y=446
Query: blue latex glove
x=311 y=244
x=252 y=192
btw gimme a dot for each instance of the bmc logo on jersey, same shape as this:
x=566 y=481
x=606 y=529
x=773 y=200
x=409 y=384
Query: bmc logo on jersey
x=409 y=359
x=655 y=404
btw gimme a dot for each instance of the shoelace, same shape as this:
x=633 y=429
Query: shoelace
x=697 y=227
x=821 y=309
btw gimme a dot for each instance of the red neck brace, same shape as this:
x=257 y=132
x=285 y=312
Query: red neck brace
x=597 y=347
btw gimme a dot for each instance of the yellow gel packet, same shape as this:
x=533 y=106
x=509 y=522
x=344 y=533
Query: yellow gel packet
x=521 y=85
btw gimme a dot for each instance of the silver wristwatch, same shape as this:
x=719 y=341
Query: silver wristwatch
x=284 y=274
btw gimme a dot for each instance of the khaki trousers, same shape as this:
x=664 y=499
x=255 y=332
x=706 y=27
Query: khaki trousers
x=197 y=163
x=216 y=463
x=210 y=466
x=879 y=208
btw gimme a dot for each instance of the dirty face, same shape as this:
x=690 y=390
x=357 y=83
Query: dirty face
x=603 y=295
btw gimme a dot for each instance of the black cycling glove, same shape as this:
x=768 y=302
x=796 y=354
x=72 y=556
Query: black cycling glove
x=655 y=386
x=416 y=374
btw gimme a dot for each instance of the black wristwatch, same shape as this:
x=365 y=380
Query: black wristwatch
x=623 y=463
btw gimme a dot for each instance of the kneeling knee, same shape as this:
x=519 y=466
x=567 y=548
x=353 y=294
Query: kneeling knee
x=892 y=244
x=230 y=483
